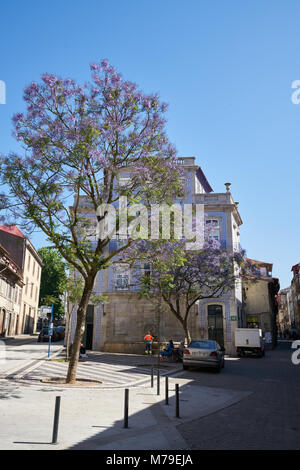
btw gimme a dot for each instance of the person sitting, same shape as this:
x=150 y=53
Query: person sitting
x=167 y=352
x=179 y=352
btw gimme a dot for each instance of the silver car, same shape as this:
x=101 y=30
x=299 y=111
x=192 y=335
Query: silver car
x=204 y=353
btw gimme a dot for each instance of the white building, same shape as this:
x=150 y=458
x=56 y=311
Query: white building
x=120 y=325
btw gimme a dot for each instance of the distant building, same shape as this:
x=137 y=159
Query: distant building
x=284 y=317
x=24 y=255
x=11 y=283
x=295 y=297
x=260 y=299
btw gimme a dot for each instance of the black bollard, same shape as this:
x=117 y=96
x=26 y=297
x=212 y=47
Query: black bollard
x=56 y=420
x=158 y=383
x=126 y=408
x=177 y=400
x=152 y=378
x=167 y=390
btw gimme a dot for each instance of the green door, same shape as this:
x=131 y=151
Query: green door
x=215 y=323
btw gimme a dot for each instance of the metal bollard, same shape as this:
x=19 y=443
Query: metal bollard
x=167 y=390
x=158 y=383
x=126 y=408
x=56 y=420
x=152 y=377
x=177 y=400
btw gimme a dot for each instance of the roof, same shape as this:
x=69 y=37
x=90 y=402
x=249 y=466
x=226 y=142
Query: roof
x=12 y=229
x=261 y=264
x=202 y=178
x=295 y=268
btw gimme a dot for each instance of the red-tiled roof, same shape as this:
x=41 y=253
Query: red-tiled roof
x=260 y=263
x=12 y=229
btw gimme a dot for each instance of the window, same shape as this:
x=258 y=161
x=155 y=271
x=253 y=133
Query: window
x=202 y=344
x=33 y=268
x=16 y=294
x=122 y=281
x=124 y=181
x=28 y=266
x=2 y=286
x=122 y=277
x=10 y=292
x=147 y=270
x=213 y=226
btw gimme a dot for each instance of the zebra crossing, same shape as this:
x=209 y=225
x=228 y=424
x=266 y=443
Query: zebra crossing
x=112 y=370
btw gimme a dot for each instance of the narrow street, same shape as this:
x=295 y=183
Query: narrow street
x=252 y=404
x=268 y=419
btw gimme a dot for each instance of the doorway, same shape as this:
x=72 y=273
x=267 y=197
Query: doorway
x=215 y=324
x=89 y=328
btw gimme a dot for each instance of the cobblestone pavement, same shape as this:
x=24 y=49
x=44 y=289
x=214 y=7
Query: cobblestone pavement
x=268 y=419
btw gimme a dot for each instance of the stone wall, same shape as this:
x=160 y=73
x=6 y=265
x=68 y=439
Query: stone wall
x=127 y=318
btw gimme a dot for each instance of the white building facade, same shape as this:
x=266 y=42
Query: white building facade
x=120 y=325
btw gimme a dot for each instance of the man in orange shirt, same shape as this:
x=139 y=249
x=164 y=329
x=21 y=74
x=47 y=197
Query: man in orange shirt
x=148 y=343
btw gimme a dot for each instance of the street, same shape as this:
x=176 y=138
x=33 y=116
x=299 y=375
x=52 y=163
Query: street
x=252 y=404
x=267 y=419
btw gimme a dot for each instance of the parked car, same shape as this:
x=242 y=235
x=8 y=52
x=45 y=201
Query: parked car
x=204 y=353
x=44 y=335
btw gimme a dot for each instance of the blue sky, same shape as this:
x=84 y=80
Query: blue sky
x=224 y=67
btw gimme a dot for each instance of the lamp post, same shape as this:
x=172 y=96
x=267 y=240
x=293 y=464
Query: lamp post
x=50 y=330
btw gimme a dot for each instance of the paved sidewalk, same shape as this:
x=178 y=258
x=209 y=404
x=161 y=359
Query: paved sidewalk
x=113 y=370
x=21 y=352
x=93 y=418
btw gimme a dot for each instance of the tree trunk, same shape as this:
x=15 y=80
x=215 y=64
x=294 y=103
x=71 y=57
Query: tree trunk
x=182 y=321
x=187 y=335
x=80 y=327
x=68 y=330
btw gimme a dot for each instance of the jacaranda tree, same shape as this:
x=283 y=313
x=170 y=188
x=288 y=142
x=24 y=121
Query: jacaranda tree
x=182 y=277
x=75 y=140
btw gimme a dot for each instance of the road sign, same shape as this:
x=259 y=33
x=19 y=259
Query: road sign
x=233 y=318
x=45 y=309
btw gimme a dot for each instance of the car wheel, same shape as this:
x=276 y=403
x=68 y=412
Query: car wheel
x=185 y=367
